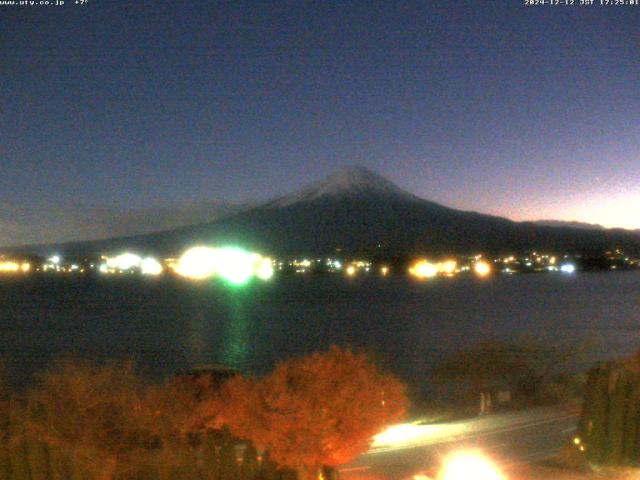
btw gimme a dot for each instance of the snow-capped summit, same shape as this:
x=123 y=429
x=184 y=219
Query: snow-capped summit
x=358 y=212
x=347 y=181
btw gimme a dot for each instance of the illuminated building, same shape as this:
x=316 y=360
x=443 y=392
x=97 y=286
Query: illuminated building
x=448 y=267
x=9 y=266
x=423 y=269
x=124 y=261
x=232 y=264
x=482 y=268
x=150 y=266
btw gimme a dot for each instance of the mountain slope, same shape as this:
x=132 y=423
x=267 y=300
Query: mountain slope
x=358 y=212
x=72 y=223
x=562 y=223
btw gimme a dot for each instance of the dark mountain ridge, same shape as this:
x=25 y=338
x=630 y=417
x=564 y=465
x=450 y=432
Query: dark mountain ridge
x=356 y=212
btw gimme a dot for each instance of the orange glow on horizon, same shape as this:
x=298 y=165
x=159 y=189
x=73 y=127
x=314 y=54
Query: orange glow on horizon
x=610 y=209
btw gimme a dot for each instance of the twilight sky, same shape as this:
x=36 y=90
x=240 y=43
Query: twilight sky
x=525 y=112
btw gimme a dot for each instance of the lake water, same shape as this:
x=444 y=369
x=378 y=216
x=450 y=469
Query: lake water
x=166 y=324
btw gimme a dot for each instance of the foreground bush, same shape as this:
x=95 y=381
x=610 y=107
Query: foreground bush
x=95 y=414
x=610 y=423
x=529 y=369
x=322 y=409
x=101 y=422
x=86 y=421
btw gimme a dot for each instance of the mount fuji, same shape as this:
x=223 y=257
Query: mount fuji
x=358 y=212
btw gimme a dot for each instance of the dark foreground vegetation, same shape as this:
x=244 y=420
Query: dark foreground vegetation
x=609 y=430
x=494 y=376
x=81 y=420
x=607 y=443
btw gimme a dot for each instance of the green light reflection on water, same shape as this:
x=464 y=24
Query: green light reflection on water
x=236 y=347
x=219 y=326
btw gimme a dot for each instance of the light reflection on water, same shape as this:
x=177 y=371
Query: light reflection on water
x=236 y=339
x=167 y=325
x=196 y=339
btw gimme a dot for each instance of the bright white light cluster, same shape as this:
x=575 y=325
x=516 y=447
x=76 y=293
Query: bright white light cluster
x=232 y=264
x=124 y=261
x=130 y=261
x=150 y=266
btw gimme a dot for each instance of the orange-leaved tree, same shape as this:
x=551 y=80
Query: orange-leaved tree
x=177 y=405
x=321 y=409
x=97 y=414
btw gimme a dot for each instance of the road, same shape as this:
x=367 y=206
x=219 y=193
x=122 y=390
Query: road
x=508 y=439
